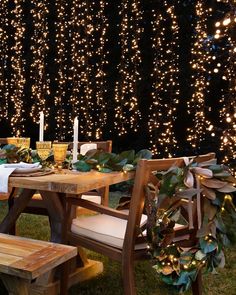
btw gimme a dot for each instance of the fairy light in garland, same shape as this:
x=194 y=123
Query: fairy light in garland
x=127 y=113
x=18 y=71
x=165 y=94
x=39 y=47
x=89 y=25
x=62 y=63
x=200 y=59
x=4 y=87
x=226 y=29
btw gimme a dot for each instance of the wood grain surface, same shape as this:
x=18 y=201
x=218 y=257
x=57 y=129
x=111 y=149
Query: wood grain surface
x=28 y=259
x=70 y=182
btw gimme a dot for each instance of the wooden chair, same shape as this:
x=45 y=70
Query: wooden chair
x=3 y=141
x=119 y=234
x=4 y=196
x=100 y=196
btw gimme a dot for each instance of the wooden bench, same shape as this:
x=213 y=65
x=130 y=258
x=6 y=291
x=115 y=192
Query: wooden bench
x=22 y=260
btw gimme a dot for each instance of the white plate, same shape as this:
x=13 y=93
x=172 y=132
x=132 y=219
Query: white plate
x=27 y=170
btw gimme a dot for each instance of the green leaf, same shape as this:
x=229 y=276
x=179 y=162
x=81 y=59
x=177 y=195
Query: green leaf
x=175 y=216
x=199 y=255
x=144 y=154
x=219 y=260
x=9 y=147
x=105 y=170
x=128 y=155
x=82 y=166
x=216 y=168
x=128 y=167
x=183 y=279
x=167 y=279
x=185 y=257
x=220 y=224
x=103 y=158
x=3 y=161
x=222 y=174
x=92 y=161
x=208 y=245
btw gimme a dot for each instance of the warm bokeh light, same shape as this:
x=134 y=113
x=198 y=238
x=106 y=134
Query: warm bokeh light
x=165 y=91
x=201 y=57
x=127 y=113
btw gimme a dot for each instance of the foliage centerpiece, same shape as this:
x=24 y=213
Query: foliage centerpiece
x=107 y=162
x=213 y=186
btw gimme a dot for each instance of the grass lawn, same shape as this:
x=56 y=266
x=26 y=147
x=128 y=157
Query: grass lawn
x=109 y=282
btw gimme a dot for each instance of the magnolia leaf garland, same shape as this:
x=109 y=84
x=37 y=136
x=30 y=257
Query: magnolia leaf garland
x=179 y=267
x=94 y=159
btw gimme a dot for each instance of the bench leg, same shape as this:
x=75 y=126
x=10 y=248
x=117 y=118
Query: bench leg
x=15 y=285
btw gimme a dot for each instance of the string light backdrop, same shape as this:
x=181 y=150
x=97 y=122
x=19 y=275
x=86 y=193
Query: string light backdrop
x=165 y=94
x=226 y=29
x=62 y=61
x=127 y=113
x=17 y=82
x=89 y=58
x=4 y=87
x=201 y=58
x=54 y=57
x=39 y=48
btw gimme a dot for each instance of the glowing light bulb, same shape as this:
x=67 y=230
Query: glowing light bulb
x=227 y=21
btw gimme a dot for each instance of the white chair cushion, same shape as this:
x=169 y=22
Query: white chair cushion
x=104 y=228
x=95 y=199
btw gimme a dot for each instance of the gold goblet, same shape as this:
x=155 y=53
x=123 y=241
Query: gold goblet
x=43 y=149
x=22 y=142
x=59 y=152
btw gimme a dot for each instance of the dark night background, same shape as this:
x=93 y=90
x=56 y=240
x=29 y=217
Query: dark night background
x=186 y=20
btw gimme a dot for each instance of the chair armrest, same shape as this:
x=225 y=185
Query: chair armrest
x=98 y=208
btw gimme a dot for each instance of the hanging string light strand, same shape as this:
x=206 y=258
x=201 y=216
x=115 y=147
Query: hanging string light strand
x=39 y=47
x=165 y=94
x=201 y=57
x=127 y=113
x=18 y=71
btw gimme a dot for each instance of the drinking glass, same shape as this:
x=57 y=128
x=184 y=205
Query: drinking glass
x=43 y=149
x=22 y=142
x=59 y=152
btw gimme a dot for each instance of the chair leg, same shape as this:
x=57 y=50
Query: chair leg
x=12 y=231
x=128 y=277
x=197 y=284
x=64 y=279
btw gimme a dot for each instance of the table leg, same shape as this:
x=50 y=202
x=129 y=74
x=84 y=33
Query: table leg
x=15 y=285
x=56 y=215
x=15 y=210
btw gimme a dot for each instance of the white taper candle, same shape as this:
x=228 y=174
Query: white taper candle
x=41 y=126
x=75 y=139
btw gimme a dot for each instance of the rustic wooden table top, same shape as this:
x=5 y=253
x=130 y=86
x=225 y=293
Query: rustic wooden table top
x=27 y=258
x=70 y=182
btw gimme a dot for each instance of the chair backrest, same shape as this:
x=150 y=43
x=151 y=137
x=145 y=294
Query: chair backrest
x=3 y=140
x=106 y=145
x=142 y=176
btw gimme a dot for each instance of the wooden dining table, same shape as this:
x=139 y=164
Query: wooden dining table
x=54 y=189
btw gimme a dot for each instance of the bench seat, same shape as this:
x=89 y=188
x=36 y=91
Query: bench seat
x=22 y=260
